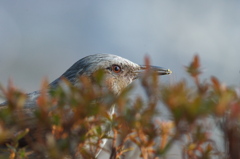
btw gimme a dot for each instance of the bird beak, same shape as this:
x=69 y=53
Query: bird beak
x=159 y=70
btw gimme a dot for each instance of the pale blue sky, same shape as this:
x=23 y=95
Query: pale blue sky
x=43 y=38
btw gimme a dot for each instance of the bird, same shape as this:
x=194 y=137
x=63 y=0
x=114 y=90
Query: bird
x=119 y=73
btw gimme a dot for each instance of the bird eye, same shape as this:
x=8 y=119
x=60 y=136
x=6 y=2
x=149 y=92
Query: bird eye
x=116 y=68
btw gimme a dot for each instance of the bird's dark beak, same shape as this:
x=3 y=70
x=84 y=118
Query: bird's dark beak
x=159 y=70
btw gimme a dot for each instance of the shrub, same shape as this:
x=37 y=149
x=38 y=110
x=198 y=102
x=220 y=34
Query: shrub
x=70 y=122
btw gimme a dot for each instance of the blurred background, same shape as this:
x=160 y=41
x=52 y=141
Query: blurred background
x=43 y=38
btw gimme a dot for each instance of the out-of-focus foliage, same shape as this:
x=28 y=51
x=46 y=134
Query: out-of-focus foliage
x=70 y=122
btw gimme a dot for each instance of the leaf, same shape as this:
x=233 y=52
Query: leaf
x=194 y=68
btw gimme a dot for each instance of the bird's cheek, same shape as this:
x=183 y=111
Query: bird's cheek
x=112 y=85
x=109 y=83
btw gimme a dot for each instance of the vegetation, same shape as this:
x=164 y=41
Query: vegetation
x=71 y=121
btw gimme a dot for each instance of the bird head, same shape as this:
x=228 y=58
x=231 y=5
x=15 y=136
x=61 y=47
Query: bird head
x=119 y=72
